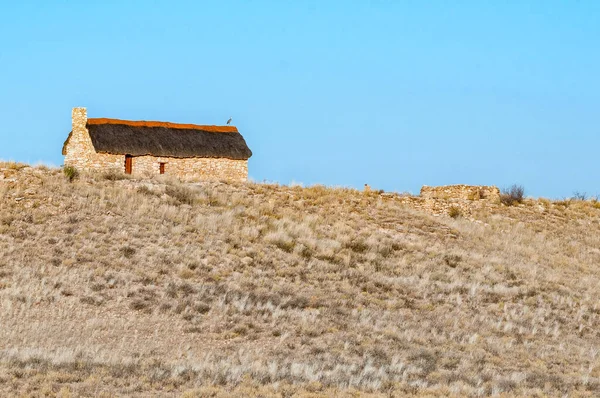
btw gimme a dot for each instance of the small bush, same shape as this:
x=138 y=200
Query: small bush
x=96 y=287
x=128 y=251
x=91 y=301
x=202 y=308
x=114 y=175
x=144 y=190
x=582 y=196
x=140 y=305
x=16 y=166
x=182 y=194
x=306 y=252
x=454 y=212
x=513 y=195
x=564 y=203
x=285 y=245
x=7 y=220
x=357 y=246
x=452 y=260
x=71 y=173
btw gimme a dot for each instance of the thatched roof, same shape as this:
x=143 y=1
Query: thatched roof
x=139 y=138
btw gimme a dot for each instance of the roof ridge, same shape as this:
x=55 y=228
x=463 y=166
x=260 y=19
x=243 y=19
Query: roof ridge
x=146 y=123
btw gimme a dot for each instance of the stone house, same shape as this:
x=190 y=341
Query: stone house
x=187 y=151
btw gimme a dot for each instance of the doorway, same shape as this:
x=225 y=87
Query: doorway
x=128 y=164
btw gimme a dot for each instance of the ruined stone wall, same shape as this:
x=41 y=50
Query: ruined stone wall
x=80 y=152
x=466 y=192
x=192 y=169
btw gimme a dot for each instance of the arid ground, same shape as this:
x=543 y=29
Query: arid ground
x=111 y=286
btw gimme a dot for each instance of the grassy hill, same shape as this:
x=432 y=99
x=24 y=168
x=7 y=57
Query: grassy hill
x=112 y=286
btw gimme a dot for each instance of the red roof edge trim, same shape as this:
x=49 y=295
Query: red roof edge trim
x=144 y=123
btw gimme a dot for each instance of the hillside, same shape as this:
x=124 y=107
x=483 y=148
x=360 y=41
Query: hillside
x=120 y=287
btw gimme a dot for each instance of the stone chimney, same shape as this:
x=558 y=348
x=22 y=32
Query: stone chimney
x=79 y=119
x=79 y=145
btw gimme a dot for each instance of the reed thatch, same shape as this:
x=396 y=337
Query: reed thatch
x=166 y=139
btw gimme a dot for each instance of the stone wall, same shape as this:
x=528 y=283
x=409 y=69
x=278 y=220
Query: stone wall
x=467 y=192
x=80 y=153
x=192 y=169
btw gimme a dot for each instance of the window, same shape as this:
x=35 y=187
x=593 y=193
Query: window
x=161 y=167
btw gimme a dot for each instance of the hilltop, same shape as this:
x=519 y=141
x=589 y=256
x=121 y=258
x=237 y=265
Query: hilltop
x=133 y=287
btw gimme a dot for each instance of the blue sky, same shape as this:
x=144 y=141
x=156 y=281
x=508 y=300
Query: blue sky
x=396 y=94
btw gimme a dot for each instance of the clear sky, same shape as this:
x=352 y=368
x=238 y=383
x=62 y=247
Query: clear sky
x=396 y=94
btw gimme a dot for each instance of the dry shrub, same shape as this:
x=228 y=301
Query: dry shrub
x=114 y=175
x=181 y=194
x=563 y=202
x=452 y=260
x=357 y=245
x=7 y=220
x=579 y=196
x=91 y=300
x=71 y=173
x=16 y=166
x=454 y=212
x=513 y=195
x=144 y=190
x=127 y=251
x=140 y=305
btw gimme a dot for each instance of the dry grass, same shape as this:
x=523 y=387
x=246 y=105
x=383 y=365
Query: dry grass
x=150 y=288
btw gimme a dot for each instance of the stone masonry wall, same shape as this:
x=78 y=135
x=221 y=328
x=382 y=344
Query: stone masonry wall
x=192 y=169
x=80 y=153
x=80 y=150
x=467 y=192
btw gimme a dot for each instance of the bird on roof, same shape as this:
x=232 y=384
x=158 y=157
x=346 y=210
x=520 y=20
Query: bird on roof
x=229 y=121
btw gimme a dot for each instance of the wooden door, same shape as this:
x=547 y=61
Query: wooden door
x=128 y=164
x=162 y=168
